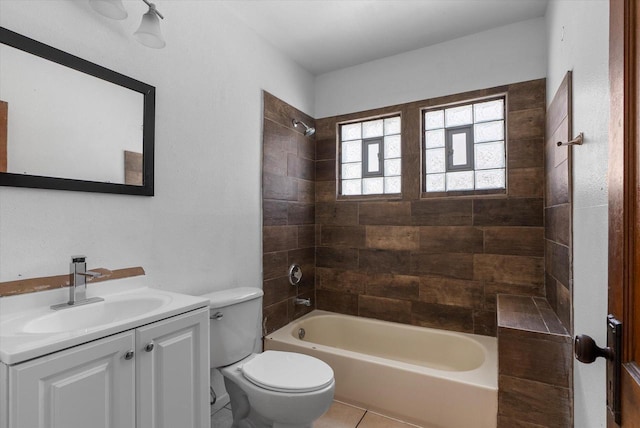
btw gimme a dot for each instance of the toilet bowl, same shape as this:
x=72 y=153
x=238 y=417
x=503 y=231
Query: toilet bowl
x=278 y=397
x=272 y=389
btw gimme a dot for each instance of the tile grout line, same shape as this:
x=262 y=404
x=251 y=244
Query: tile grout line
x=363 y=415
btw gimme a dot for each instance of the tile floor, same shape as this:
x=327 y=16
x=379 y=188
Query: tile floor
x=339 y=415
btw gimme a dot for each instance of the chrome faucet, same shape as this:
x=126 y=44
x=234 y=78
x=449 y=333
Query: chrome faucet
x=78 y=284
x=305 y=302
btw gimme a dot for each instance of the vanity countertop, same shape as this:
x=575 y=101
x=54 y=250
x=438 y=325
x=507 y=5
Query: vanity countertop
x=29 y=328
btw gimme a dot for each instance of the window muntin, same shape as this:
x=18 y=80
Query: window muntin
x=464 y=147
x=370 y=157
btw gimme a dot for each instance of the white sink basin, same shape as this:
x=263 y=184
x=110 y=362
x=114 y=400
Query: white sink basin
x=29 y=328
x=94 y=314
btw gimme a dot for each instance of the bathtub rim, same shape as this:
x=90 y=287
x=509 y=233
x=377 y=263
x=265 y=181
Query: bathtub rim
x=485 y=376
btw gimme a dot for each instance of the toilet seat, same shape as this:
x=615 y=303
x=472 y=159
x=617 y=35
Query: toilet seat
x=287 y=372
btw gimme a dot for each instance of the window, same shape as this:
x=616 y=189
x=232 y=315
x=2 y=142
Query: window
x=464 y=147
x=370 y=157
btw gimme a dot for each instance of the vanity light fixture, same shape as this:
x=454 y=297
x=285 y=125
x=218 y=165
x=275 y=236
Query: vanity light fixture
x=148 y=33
x=113 y=9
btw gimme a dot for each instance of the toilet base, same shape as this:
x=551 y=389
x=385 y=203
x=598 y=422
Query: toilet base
x=244 y=416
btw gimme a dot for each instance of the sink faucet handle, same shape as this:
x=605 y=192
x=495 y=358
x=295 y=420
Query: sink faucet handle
x=91 y=274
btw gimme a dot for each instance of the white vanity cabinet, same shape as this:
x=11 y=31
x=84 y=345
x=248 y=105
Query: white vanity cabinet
x=156 y=375
x=91 y=385
x=172 y=372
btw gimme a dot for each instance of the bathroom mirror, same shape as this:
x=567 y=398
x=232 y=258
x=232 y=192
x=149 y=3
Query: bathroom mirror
x=69 y=124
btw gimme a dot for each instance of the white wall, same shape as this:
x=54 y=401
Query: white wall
x=202 y=230
x=578 y=40
x=508 y=54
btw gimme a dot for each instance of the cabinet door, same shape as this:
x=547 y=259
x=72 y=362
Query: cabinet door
x=172 y=362
x=91 y=385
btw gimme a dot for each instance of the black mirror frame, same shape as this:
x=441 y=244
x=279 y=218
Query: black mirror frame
x=47 y=52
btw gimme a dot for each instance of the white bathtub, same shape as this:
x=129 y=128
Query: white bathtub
x=433 y=378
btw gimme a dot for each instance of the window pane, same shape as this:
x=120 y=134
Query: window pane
x=489 y=131
x=491 y=110
x=392 y=125
x=460 y=180
x=392 y=148
x=435 y=160
x=490 y=179
x=373 y=158
x=434 y=139
x=352 y=151
x=352 y=170
x=490 y=155
x=434 y=119
x=392 y=184
x=351 y=132
x=458 y=116
x=371 y=186
x=435 y=183
x=351 y=187
x=373 y=128
x=392 y=167
x=459 y=148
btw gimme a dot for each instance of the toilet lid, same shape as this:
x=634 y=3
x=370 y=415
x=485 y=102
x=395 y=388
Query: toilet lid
x=288 y=372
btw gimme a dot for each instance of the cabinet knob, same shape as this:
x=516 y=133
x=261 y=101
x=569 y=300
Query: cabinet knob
x=129 y=355
x=149 y=347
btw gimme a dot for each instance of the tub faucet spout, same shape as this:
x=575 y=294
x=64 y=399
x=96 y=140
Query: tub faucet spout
x=305 y=302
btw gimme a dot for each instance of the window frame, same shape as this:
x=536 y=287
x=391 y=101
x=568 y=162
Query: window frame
x=338 y=160
x=464 y=193
x=448 y=148
x=365 y=157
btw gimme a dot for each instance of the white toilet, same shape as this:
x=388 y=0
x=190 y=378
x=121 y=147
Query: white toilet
x=270 y=389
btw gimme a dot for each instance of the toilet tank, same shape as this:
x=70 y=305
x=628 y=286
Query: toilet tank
x=235 y=324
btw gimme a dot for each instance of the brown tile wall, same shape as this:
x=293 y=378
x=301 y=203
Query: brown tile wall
x=288 y=202
x=557 y=207
x=436 y=262
x=535 y=365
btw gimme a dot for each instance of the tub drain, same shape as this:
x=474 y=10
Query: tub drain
x=301 y=333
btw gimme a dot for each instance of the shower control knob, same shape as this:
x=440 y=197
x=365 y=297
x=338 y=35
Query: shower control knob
x=149 y=347
x=129 y=355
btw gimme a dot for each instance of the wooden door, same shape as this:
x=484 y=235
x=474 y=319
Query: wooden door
x=91 y=385
x=172 y=361
x=624 y=207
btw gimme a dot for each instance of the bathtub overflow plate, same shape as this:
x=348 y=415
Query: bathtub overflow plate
x=301 y=333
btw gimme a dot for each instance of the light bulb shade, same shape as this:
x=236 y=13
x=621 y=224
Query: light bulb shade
x=113 y=9
x=149 y=33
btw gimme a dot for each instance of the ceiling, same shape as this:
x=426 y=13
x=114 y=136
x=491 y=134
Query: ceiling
x=327 y=35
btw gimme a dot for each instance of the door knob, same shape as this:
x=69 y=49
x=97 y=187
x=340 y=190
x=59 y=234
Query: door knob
x=129 y=355
x=149 y=347
x=587 y=351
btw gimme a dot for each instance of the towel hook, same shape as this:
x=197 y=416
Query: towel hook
x=575 y=142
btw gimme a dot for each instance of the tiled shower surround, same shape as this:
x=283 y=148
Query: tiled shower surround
x=415 y=259
x=434 y=261
x=288 y=206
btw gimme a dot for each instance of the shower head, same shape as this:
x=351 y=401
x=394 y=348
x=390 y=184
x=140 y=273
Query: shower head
x=308 y=131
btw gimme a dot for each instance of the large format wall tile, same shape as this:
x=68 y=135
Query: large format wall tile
x=454 y=254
